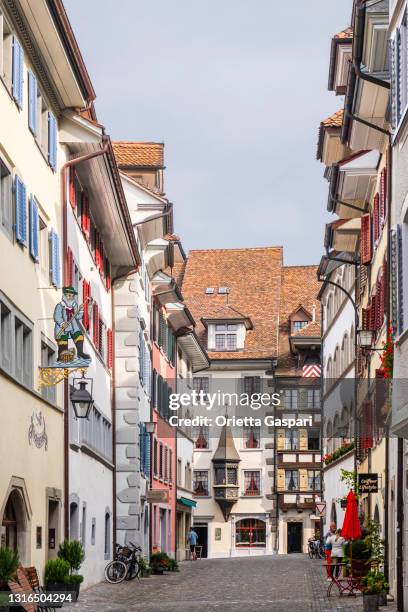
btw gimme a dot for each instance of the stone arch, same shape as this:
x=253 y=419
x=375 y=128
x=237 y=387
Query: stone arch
x=15 y=515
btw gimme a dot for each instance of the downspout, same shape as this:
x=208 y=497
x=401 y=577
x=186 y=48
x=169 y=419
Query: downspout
x=387 y=319
x=321 y=420
x=65 y=167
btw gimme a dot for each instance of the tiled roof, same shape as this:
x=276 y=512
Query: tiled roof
x=139 y=154
x=311 y=330
x=176 y=272
x=299 y=289
x=346 y=34
x=335 y=120
x=254 y=278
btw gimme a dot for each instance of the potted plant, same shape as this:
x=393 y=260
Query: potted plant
x=9 y=562
x=73 y=553
x=172 y=565
x=159 y=562
x=56 y=572
x=374 y=585
x=145 y=570
x=360 y=557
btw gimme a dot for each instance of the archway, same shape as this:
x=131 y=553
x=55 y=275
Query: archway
x=15 y=525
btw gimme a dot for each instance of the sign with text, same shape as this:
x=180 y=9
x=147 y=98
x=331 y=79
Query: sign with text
x=157 y=496
x=368 y=483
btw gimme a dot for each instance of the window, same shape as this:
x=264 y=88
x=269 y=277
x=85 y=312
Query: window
x=6 y=344
x=155 y=457
x=83 y=525
x=313 y=398
x=17 y=72
x=252 y=384
x=170 y=465
x=226 y=337
x=20 y=198
x=291 y=399
x=291 y=480
x=187 y=476
x=313 y=480
x=250 y=533
x=166 y=464
x=23 y=352
x=252 y=437
x=47 y=359
x=6 y=211
x=144 y=448
x=252 y=483
x=200 y=485
x=209 y=290
x=93 y=531
x=201 y=437
x=298 y=325
x=34 y=229
x=96 y=432
x=179 y=472
x=291 y=439
x=44 y=251
x=201 y=383
x=161 y=460
x=145 y=365
x=6 y=52
x=313 y=439
x=223 y=290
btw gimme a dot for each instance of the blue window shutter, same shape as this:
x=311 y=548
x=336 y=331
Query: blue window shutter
x=21 y=216
x=34 y=228
x=141 y=357
x=32 y=102
x=147 y=445
x=17 y=76
x=55 y=260
x=52 y=141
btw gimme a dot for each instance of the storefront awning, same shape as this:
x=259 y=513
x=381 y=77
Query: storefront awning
x=186 y=502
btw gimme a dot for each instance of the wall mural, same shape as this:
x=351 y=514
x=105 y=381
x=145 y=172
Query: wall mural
x=68 y=316
x=37 y=432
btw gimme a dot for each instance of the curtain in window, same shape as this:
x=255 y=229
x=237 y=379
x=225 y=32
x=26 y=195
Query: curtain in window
x=252 y=483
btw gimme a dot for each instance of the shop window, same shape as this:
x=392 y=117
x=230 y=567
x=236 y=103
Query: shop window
x=250 y=533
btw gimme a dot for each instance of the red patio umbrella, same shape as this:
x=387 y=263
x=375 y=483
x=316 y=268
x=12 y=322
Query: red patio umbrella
x=351 y=529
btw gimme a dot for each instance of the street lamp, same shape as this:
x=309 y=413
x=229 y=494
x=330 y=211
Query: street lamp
x=150 y=427
x=81 y=398
x=365 y=337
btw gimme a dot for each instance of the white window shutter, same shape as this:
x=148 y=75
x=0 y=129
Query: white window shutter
x=17 y=72
x=52 y=141
x=21 y=213
x=34 y=229
x=32 y=102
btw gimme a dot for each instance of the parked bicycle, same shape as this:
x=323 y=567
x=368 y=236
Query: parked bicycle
x=315 y=549
x=125 y=565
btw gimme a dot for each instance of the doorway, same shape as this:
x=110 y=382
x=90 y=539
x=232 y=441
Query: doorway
x=294 y=537
x=202 y=532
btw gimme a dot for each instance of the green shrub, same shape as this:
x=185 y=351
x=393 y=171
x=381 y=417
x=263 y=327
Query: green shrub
x=9 y=562
x=56 y=571
x=359 y=550
x=159 y=559
x=374 y=583
x=73 y=552
x=74 y=579
x=172 y=565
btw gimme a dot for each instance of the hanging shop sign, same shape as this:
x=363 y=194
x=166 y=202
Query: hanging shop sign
x=157 y=496
x=37 y=432
x=68 y=316
x=368 y=483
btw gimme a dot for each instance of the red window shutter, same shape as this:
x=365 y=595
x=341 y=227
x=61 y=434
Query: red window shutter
x=96 y=325
x=383 y=195
x=376 y=217
x=97 y=249
x=110 y=348
x=72 y=187
x=366 y=239
x=86 y=293
x=365 y=315
x=69 y=265
x=371 y=316
x=85 y=215
x=377 y=309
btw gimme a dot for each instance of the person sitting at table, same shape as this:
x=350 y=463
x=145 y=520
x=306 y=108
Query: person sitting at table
x=337 y=552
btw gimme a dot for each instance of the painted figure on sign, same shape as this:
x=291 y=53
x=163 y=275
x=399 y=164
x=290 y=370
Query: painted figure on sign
x=68 y=317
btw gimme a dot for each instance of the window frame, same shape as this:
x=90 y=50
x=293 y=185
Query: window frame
x=26 y=379
x=207 y=490
x=7 y=228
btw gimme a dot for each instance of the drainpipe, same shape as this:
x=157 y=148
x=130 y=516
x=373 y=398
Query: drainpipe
x=64 y=175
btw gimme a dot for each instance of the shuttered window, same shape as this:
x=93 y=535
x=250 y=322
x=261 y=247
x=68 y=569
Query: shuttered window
x=34 y=229
x=383 y=196
x=397 y=280
x=52 y=141
x=376 y=218
x=95 y=325
x=16 y=343
x=17 y=74
x=86 y=293
x=55 y=259
x=72 y=187
x=32 y=103
x=399 y=80
x=365 y=239
x=109 y=338
x=21 y=213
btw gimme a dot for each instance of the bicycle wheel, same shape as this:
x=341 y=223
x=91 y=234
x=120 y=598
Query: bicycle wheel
x=115 y=572
x=133 y=571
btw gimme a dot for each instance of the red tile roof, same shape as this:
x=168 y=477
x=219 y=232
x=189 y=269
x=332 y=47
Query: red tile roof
x=346 y=34
x=253 y=277
x=299 y=289
x=139 y=154
x=335 y=120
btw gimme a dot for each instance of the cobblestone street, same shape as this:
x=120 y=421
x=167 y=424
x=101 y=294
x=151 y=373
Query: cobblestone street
x=290 y=583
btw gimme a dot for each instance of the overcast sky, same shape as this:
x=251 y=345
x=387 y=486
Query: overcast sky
x=236 y=90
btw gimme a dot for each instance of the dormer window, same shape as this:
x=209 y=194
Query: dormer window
x=226 y=337
x=223 y=290
x=209 y=291
x=298 y=325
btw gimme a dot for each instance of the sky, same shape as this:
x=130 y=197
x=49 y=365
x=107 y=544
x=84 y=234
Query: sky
x=236 y=90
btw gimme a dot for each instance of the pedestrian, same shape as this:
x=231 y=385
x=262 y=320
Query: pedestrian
x=328 y=549
x=337 y=552
x=192 y=539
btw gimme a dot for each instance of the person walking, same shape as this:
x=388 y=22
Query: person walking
x=328 y=549
x=337 y=552
x=192 y=539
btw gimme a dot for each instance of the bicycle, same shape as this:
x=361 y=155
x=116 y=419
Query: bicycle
x=315 y=549
x=125 y=565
